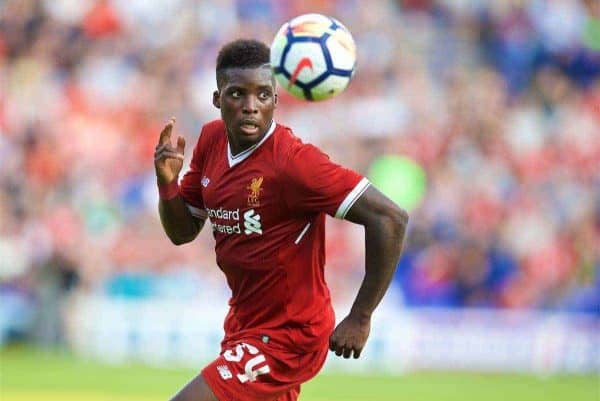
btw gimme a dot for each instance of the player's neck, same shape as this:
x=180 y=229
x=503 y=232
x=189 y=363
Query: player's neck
x=237 y=148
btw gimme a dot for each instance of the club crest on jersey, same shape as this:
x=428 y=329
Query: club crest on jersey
x=255 y=190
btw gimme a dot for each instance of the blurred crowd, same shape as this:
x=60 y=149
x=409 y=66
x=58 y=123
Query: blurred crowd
x=499 y=102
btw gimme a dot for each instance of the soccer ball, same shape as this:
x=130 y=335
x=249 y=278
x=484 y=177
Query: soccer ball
x=313 y=57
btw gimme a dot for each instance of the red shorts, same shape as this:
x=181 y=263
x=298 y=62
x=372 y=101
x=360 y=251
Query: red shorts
x=251 y=370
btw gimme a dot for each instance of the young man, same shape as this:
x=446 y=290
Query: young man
x=266 y=194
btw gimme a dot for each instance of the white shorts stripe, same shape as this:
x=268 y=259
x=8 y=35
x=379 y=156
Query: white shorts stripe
x=347 y=203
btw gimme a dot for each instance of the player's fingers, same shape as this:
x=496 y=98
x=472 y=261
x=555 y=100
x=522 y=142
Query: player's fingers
x=165 y=134
x=332 y=342
x=167 y=154
x=180 y=144
x=347 y=352
x=338 y=347
x=160 y=148
x=357 y=352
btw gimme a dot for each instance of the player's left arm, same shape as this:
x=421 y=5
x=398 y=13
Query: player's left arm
x=385 y=227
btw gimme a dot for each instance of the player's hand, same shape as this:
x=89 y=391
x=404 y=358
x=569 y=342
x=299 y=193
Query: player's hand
x=350 y=336
x=168 y=160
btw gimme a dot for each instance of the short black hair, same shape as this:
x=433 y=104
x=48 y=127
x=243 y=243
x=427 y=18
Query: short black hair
x=242 y=53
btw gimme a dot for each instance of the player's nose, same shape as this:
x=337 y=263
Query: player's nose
x=250 y=104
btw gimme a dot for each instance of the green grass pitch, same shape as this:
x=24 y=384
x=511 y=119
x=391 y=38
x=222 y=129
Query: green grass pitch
x=29 y=375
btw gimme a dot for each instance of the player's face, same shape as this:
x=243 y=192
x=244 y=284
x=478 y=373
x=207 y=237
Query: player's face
x=247 y=100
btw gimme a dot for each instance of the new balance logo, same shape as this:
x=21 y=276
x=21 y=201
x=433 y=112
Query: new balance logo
x=205 y=181
x=252 y=222
x=224 y=372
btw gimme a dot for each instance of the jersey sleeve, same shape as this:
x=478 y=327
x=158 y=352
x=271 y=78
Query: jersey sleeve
x=316 y=184
x=190 y=187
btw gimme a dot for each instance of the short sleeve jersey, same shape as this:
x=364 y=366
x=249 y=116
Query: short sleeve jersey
x=267 y=206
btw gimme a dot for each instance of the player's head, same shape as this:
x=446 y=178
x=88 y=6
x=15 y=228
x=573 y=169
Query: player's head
x=245 y=90
x=242 y=54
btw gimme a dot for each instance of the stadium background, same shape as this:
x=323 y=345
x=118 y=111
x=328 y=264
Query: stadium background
x=497 y=102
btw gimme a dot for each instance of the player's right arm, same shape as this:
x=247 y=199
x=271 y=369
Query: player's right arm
x=177 y=220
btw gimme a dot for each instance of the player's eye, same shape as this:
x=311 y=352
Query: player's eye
x=264 y=95
x=236 y=94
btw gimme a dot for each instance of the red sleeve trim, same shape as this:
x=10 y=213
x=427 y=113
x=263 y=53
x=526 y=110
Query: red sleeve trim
x=168 y=191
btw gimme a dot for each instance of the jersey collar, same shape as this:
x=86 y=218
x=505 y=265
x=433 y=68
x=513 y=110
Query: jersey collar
x=240 y=157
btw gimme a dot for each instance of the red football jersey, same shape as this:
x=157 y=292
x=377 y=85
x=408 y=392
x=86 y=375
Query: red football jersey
x=267 y=209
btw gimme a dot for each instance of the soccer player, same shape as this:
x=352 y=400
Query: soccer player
x=266 y=194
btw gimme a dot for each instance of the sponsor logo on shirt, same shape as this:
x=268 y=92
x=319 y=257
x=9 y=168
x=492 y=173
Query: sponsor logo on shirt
x=255 y=189
x=252 y=222
x=226 y=221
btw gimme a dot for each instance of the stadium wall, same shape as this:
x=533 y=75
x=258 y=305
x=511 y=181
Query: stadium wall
x=185 y=333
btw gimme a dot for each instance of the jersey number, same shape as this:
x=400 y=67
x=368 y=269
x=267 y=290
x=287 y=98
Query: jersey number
x=250 y=373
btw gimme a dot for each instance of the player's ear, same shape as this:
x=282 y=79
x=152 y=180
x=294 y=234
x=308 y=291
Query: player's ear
x=216 y=99
x=275 y=97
